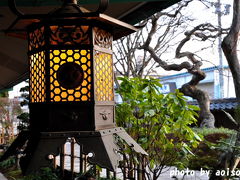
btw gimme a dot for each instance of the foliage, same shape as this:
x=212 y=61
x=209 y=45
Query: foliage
x=207 y=131
x=229 y=147
x=23 y=121
x=24 y=117
x=43 y=174
x=9 y=109
x=8 y=163
x=15 y=174
x=4 y=93
x=231 y=144
x=107 y=178
x=159 y=123
x=207 y=155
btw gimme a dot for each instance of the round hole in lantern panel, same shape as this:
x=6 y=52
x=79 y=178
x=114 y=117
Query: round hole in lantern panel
x=70 y=75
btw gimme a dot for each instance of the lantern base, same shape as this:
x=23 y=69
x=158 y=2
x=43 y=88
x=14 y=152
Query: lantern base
x=71 y=116
x=102 y=144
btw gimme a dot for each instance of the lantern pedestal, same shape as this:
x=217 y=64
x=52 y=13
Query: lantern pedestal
x=102 y=144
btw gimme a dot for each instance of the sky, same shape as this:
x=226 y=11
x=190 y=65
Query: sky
x=16 y=90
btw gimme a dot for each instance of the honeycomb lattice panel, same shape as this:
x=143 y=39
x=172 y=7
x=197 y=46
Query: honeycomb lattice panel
x=69 y=35
x=36 y=39
x=80 y=57
x=37 y=77
x=103 y=77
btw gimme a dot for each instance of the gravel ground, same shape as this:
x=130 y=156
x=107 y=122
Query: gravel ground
x=2 y=177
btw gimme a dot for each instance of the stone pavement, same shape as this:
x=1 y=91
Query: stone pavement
x=2 y=177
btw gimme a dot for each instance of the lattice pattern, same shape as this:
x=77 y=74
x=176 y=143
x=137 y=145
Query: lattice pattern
x=36 y=39
x=37 y=77
x=103 y=38
x=103 y=77
x=80 y=57
x=69 y=35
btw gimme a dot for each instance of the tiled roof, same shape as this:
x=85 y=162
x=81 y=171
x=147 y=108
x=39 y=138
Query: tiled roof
x=220 y=104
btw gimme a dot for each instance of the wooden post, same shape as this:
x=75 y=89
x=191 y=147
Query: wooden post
x=143 y=167
x=72 y=155
x=98 y=174
x=108 y=174
x=54 y=162
x=81 y=160
x=139 y=168
x=62 y=158
x=131 y=170
x=124 y=168
x=85 y=163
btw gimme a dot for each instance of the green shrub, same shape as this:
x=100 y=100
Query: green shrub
x=208 y=153
x=160 y=123
x=206 y=131
x=43 y=174
x=4 y=165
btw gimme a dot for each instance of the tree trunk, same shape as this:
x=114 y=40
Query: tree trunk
x=229 y=46
x=205 y=116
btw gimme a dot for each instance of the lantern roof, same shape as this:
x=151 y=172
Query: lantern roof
x=13 y=56
x=19 y=27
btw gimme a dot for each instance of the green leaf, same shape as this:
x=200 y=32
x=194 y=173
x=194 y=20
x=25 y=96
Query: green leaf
x=230 y=117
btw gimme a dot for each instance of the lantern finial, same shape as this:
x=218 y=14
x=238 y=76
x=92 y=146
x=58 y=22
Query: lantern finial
x=103 y=4
x=70 y=1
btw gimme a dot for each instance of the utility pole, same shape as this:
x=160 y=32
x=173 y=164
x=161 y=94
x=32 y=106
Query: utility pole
x=220 y=54
x=220 y=13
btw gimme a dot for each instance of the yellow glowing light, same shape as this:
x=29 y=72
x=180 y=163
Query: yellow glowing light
x=104 y=77
x=71 y=98
x=57 y=98
x=77 y=94
x=37 y=77
x=63 y=56
x=76 y=56
x=84 y=98
x=58 y=93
